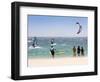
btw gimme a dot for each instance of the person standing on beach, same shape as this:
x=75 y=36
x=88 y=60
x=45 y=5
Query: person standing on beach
x=74 y=51
x=82 y=51
x=52 y=50
x=52 y=41
x=78 y=50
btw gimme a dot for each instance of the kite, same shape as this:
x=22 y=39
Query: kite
x=80 y=27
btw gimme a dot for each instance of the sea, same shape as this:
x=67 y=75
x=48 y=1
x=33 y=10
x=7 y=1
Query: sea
x=63 y=46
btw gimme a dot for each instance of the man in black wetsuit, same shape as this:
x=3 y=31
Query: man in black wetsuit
x=82 y=51
x=52 y=50
x=78 y=50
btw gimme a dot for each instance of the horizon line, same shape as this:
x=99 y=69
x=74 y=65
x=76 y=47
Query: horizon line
x=57 y=36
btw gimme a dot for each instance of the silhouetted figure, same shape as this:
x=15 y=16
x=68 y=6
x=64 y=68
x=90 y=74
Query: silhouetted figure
x=33 y=45
x=52 y=50
x=74 y=51
x=78 y=50
x=82 y=51
x=34 y=42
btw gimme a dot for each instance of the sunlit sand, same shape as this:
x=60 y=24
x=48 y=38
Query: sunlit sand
x=32 y=62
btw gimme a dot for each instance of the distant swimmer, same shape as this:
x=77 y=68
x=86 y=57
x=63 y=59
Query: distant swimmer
x=80 y=27
x=52 y=50
x=74 y=51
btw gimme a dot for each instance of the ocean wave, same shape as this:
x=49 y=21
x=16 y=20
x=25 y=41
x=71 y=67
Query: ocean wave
x=63 y=44
x=53 y=44
x=37 y=47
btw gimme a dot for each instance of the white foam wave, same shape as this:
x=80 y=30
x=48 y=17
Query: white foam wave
x=53 y=44
x=37 y=47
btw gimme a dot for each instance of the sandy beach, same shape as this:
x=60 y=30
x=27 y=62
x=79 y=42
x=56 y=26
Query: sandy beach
x=57 y=61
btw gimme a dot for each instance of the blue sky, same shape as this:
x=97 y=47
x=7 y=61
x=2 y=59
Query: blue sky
x=56 y=26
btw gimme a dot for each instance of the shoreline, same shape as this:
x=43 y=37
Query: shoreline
x=40 y=62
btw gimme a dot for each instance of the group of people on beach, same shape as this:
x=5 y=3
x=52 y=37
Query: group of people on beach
x=79 y=51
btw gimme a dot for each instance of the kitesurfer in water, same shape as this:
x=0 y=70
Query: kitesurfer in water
x=34 y=42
